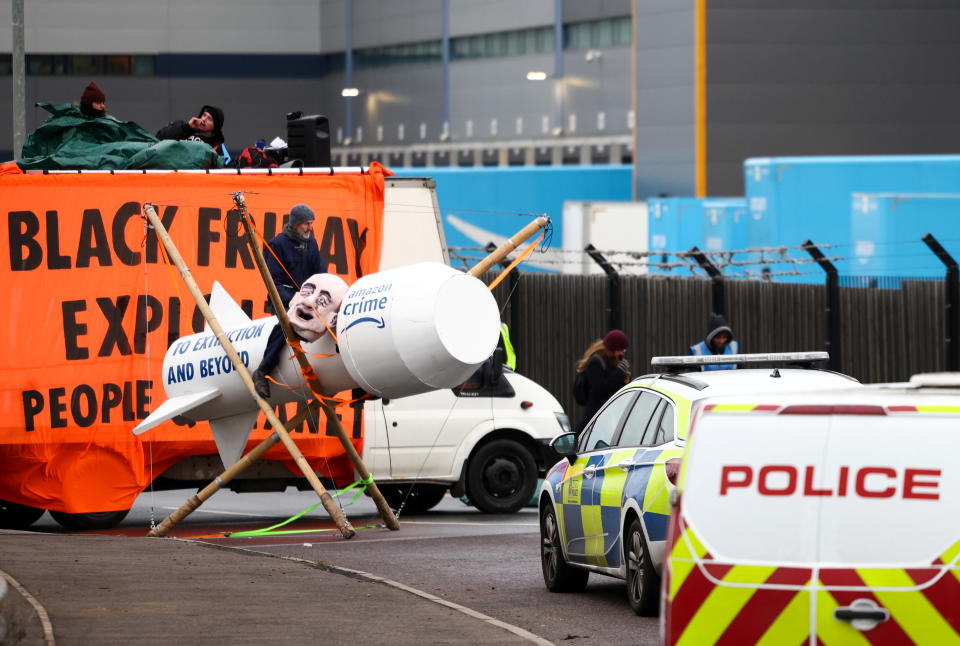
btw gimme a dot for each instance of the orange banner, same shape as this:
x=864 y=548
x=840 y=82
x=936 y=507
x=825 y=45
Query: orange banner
x=92 y=308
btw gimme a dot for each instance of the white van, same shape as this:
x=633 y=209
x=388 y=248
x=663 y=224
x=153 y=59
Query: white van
x=819 y=518
x=488 y=439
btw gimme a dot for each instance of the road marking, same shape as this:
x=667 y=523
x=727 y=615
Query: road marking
x=432 y=522
x=366 y=576
x=41 y=612
x=215 y=511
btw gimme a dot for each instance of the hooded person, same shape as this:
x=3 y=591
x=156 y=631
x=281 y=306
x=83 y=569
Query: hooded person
x=293 y=256
x=719 y=340
x=93 y=102
x=207 y=127
x=603 y=370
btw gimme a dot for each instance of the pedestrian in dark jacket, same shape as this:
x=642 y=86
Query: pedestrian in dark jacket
x=606 y=371
x=293 y=254
x=292 y=257
x=206 y=127
x=719 y=340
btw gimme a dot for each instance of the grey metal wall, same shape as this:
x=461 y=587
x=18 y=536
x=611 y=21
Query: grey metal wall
x=849 y=77
x=784 y=77
x=492 y=95
x=887 y=335
x=664 y=157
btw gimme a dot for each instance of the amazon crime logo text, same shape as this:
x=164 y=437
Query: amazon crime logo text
x=864 y=482
x=367 y=300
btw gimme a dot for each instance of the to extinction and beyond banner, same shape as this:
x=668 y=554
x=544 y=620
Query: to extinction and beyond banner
x=92 y=306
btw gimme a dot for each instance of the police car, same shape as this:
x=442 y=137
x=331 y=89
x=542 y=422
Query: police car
x=605 y=507
x=819 y=518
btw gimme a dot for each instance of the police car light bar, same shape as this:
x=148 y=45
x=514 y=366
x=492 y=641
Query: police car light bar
x=772 y=357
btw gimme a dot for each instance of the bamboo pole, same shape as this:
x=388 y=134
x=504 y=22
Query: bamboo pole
x=509 y=245
x=389 y=519
x=224 y=478
x=328 y=503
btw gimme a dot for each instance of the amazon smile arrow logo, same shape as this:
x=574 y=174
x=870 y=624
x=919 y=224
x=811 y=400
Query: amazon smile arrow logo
x=367 y=319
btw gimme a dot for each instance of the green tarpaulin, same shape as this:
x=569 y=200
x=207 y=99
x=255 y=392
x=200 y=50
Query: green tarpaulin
x=68 y=140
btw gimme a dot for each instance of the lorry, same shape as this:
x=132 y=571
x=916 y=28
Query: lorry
x=68 y=448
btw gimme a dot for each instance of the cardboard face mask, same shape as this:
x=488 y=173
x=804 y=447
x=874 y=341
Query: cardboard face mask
x=314 y=308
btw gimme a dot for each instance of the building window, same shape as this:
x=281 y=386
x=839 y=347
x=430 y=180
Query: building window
x=519 y=42
x=597 y=34
x=405 y=54
x=83 y=65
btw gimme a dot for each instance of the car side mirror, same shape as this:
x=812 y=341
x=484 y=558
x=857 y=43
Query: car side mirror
x=565 y=444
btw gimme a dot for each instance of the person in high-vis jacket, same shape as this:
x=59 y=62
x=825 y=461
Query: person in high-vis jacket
x=719 y=340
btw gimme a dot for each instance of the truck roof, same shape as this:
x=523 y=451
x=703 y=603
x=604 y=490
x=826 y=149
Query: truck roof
x=893 y=397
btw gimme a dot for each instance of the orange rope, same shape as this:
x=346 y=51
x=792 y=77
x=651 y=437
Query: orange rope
x=516 y=261
x=253 y=225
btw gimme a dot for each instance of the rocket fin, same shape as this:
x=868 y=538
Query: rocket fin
x=173 y=407
x=231 y=435
x=228 y=313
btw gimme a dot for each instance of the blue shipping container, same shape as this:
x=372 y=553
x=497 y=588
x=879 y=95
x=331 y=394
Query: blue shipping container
x=711 y=224
x=478 y=204
x=888 y=230
x=792 y=199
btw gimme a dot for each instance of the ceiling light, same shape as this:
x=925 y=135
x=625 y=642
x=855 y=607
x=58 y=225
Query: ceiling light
x=536 y=76
x=349 y=91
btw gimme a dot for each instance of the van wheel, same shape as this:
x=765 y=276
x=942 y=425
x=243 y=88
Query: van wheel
x=643 y=584
x=557 y=575
x=501 y=477
x=421 y=498
x=92 y=520
x=16 y=516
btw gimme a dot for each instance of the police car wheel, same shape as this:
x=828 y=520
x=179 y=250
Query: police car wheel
x=92 y=520
x=16 y=516
x=414 y=498
x=501 y=477
x=557 y=575
x=643 y=584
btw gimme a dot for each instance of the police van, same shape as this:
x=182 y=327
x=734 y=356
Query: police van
x=829 y=517
x=604 y=509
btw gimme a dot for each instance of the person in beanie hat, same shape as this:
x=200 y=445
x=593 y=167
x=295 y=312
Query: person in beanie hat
x=605 y=371
x=93 y=102
x=301 y=214
x=719 y=340
x=293 y=256
x=207 y=127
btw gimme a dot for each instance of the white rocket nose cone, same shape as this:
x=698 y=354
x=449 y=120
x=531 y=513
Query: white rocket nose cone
x=416 y=328
x=467 y=319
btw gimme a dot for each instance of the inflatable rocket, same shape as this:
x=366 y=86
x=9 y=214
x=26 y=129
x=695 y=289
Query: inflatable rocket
x=399 y=332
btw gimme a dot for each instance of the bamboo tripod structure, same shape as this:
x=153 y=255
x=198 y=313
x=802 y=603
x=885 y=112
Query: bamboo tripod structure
x=328 y=503
x=312 y=381
x=509 y=245
x=229 y=474
x=224 y=478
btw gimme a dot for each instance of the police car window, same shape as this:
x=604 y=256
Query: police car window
x=639 y=418
x=650 y=434
x=601 y=432
x=665 y=428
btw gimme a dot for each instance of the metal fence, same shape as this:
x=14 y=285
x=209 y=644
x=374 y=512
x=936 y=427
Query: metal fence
x=886 y=332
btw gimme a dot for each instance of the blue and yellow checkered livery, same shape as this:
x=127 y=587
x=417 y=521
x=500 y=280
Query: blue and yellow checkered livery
x=593 y=493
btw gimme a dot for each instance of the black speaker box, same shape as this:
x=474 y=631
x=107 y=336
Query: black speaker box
x=308 y=139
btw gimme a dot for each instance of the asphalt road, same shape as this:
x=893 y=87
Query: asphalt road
x=488 y=563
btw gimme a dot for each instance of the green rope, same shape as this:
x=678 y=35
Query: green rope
x=362 y=484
